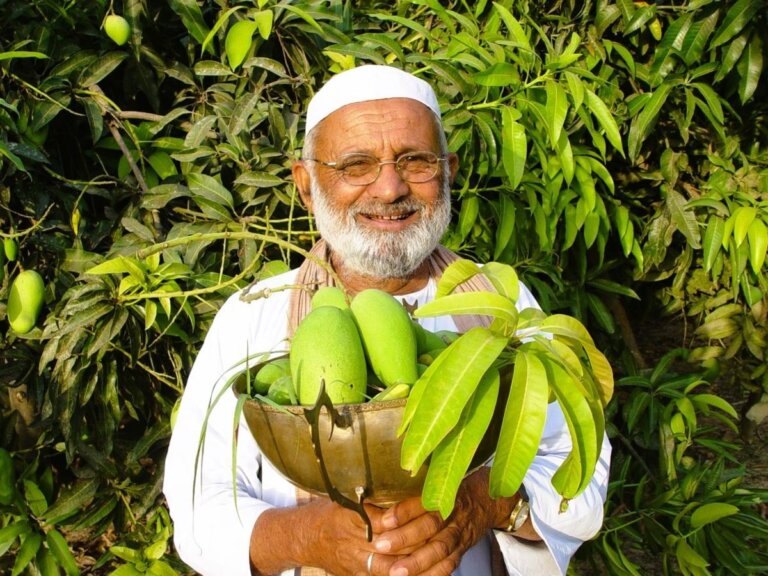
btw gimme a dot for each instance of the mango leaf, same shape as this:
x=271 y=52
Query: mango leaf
x=355 y=51
x=731 y=57
x=506 y=225
x=483 y=124
x=643 y=123
x=687 y=556
x=259 y=179
x=514 y=27
x=575 y=473
x=96 y=514
x=568 y=326
x=738 y=16
x=211 y=68
x=565 y=155
x=417 y=392
x=452 y=457
x=208 y=187
x=438 y=411
x=101 y=68
x=58 y=546
x=514 y=147
x=696 y=38
x=304 y=15
x=264 y=20
x=555 y=110
x=445 y=70
x=575 y=88
x=758 y=244
x=498 y=74
x=10 y=532
x=484 y=303
x=606 y=120
x=72 y=499
x=389 y=43
x=192 y=18
x=750 y=67
x=712 y=512
x=35 y=498
x=684 y=219
x=456 y=273
x=26 y=552
x=714 y=401
x=241 y=115
x=718 y=328
x=504 y=279
x=470 y=208
x=523 y=424
x=47 y=110
x=713 y=240
x=742 y=218
x=223 y=19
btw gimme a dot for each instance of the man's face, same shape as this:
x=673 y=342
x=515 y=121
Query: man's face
x=387 y=228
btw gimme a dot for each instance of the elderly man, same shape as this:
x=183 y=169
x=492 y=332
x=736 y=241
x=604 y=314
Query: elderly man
x=376 y=175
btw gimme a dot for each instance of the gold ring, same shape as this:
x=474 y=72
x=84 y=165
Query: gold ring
x=369 y=564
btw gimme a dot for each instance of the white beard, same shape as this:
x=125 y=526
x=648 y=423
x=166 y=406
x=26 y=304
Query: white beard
x=379 y=254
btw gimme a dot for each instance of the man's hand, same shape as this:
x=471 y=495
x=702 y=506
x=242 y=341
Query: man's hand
x=320 y=533
x=433 y=546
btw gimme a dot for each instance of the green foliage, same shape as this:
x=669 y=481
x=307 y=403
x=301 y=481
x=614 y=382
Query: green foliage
x=610 y=151
x=678 y=490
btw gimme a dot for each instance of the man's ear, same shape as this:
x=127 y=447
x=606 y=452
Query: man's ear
x=302 y=179
x=453 y=165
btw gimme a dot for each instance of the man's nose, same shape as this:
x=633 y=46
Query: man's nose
x=389 y=186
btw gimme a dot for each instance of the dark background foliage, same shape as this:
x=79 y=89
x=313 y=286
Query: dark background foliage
x=613 y=152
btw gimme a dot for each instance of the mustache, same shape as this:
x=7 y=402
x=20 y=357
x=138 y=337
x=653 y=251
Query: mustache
x=400 y=207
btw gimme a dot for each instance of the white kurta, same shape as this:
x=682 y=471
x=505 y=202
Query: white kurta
x=213 y=520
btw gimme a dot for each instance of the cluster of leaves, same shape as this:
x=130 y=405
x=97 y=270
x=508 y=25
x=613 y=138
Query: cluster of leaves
x=527 y=357
x=678 y=490
x=609 y=150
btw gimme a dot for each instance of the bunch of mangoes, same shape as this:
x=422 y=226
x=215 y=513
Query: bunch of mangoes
x=366 y=348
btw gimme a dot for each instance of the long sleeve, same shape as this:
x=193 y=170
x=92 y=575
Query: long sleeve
x=213 y=518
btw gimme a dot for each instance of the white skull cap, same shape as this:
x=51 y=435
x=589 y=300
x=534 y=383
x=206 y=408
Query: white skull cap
x=365 y=83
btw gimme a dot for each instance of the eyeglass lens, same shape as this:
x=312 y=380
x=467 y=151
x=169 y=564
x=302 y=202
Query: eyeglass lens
x=361 y=169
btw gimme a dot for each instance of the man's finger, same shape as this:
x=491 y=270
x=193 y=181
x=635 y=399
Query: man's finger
x=403 y=512
x=414 y=533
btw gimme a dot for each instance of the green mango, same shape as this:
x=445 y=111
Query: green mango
x=117 y=28
x=25 y=301
x=330 y=296
x=269 y=372
x=326 y=347
x=426 y=340
x=10 y=248
x=281 y=391
x=386 y=331
x=392 y=393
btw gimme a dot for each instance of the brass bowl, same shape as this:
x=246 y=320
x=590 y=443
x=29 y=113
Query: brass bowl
x=363 y=456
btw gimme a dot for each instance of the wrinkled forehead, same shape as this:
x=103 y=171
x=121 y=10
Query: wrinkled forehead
x=365 y=84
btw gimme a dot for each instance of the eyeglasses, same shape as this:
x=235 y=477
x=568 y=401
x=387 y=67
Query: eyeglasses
x=358 y=169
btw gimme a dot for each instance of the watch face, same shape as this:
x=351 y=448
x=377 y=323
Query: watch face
x=521 y=517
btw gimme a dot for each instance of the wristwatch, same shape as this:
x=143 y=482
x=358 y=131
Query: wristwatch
x=519 y=513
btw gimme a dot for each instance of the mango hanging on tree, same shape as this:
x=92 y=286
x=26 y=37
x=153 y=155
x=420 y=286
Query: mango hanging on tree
x=117 y=28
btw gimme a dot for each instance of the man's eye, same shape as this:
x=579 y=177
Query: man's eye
x=356 y=164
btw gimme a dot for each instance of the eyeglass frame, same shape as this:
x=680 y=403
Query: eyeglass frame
x=380 y=163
